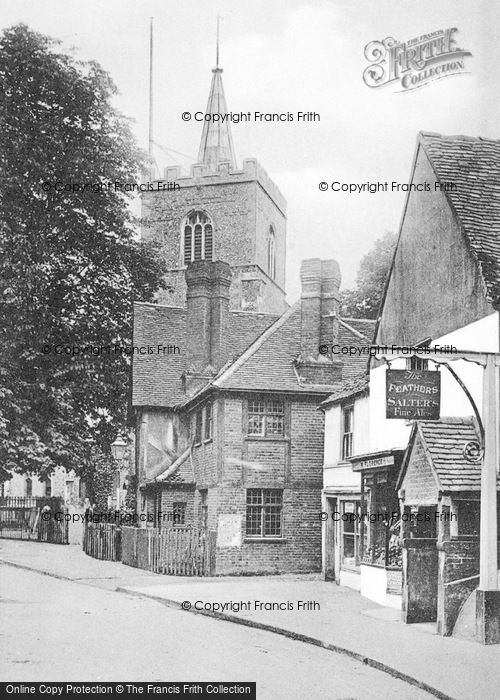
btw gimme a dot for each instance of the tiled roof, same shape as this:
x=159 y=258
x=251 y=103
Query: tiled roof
x=182 y=475
x=473 y=164
x=364 y=326
x=269 y=363
x=445 y=441
x=264 y=349
x=348 y=389
x=157 y=377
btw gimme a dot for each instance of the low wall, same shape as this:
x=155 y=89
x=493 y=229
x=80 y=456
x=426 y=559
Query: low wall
x=381 y=585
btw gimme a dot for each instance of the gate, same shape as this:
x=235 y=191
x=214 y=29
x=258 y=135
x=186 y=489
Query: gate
x=21 y=518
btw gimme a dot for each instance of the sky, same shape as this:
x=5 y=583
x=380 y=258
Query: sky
x=286 y=56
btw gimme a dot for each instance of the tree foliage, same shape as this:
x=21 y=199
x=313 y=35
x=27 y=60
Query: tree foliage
x=70 y=264
x=364 y=300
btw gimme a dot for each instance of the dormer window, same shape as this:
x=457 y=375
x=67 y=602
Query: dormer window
x=197 y=232
x=271 y=254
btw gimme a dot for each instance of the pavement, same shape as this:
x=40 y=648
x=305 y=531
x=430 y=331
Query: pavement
x=329 y=616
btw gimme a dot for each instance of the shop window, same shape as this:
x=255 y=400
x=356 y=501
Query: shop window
x=266 y=418
x=350 y=533
x=197 y=237
x=208 y=421
x=179 y=509
x=347 y=431
x=198 y=425
x=264 y=513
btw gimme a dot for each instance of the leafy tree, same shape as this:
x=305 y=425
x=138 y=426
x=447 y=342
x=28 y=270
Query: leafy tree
x=100 y=472
x=363 y=301
x=70 y=264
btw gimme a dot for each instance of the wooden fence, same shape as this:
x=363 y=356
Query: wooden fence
x=54 y=502
x=27 y=522
x=178 y=551
x=102 y=541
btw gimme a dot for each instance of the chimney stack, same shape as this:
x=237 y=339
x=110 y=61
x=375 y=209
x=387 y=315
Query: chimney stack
x=330 y=302
x=207 y=314
x=320 y=302
x=310 y=279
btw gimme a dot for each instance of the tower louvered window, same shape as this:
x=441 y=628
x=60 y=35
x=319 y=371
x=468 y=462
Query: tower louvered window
x=198 y=237
x=271 y=254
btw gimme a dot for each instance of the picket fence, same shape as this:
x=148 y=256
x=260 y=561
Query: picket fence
x=102 y=541
x=177 y=551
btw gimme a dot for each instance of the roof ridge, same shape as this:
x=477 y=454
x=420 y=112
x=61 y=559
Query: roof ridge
x=353 y=330
x=451 y=137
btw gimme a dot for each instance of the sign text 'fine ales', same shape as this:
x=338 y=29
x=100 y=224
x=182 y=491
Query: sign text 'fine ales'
x=413 y=394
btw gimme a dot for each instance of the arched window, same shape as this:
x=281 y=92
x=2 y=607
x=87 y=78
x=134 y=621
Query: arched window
x=29 y=487
x=197 y=232
x=271 y=254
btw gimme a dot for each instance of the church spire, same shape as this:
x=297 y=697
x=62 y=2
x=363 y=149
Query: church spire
x=216 y=141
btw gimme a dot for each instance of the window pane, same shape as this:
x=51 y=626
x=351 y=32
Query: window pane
x=208 y=421
x=349 y=511
x=253 y=527
x=272 y=521
x=275 y=425
x=254 y=496
x=349 y=549
x=197 y=436
x=273 y=497
x=179 y=513
x=256 y=417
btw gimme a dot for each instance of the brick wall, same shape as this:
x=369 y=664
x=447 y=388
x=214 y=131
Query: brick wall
x=170 y=496
x=294 y=464
x=461 y=559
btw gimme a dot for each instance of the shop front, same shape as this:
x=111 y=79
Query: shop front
x=379 y=548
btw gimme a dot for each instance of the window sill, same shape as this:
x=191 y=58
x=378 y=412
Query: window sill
x=267 y=438
x=350 y=567
x=260 y=540
x=207 y=441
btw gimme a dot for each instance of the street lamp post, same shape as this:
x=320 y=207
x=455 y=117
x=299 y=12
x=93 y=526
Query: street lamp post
x=488 y=593
x=119 y=451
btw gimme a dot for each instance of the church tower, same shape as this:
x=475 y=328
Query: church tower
x=221 y=212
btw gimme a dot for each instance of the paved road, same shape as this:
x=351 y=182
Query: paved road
x=52 y=630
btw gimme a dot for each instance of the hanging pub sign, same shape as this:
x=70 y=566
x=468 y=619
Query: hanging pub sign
x=413 y=394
